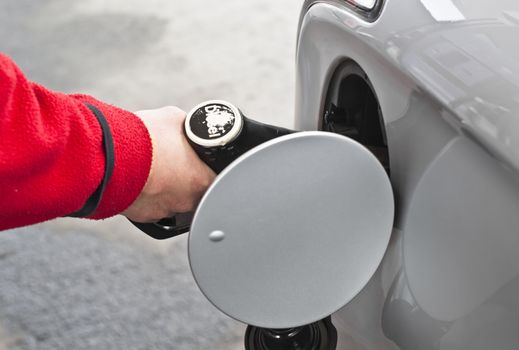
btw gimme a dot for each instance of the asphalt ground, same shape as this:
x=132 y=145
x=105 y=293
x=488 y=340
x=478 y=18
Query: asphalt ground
x=79 y=284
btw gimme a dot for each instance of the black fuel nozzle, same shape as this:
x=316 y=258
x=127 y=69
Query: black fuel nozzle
x=219 y=133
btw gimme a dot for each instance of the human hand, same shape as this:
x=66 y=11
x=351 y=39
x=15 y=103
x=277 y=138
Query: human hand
x=178 y=178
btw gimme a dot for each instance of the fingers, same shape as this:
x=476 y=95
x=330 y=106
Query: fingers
x=178 y=178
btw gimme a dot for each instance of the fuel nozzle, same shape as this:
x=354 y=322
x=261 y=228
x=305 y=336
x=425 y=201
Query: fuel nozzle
x=219 y=133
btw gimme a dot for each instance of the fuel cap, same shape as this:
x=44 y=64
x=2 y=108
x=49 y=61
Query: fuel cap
x=292 y=230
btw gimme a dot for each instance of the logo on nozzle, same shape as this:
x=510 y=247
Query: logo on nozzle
x=213 y=123
x=219 y=120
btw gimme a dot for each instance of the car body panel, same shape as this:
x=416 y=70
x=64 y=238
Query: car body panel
x=446 y=75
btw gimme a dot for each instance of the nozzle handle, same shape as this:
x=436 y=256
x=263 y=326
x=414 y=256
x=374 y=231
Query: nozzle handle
x=219 y=133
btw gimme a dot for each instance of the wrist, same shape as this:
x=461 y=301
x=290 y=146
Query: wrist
x=132 y=158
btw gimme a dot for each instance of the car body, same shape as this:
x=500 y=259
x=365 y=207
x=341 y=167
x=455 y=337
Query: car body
x=432 y=88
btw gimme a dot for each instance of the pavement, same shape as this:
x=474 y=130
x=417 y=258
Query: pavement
x=80 y=284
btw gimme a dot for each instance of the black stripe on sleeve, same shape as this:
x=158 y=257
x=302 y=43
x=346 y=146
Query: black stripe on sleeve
x=93 y=201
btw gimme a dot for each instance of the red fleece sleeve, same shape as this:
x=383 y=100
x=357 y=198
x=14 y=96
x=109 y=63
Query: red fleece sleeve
x=52 y=157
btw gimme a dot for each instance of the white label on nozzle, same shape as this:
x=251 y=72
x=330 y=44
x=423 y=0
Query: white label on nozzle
x=218 y=120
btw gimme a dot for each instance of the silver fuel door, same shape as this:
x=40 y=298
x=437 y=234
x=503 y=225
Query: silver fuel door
x=292 y=230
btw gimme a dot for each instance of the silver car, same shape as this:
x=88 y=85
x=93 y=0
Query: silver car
x=432 y=88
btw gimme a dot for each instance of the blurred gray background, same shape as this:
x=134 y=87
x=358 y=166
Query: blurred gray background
x=78 y=284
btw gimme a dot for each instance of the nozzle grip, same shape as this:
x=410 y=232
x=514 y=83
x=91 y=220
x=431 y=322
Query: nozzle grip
x=251 y=134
